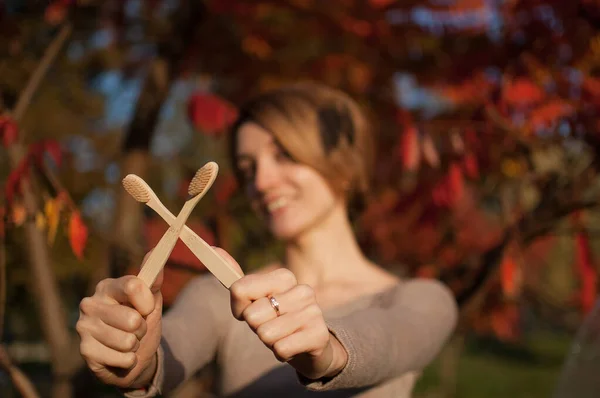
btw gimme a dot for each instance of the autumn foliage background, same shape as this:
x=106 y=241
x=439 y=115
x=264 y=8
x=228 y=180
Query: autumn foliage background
x=486 y=115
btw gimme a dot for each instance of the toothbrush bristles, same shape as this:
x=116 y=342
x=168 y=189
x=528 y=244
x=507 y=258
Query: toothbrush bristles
x=202 y=178
x=135 y=186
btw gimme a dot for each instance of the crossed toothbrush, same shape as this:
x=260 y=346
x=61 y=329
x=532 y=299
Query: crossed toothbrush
x=200 y=184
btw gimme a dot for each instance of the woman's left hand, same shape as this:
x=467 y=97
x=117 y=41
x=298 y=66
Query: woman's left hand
x=298 y=334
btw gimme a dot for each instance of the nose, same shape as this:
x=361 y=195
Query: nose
x=266 y=177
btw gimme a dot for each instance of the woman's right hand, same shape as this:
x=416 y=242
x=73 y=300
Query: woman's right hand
x=120 y=330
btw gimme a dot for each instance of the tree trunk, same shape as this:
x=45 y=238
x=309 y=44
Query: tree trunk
x=128 y=247
x=44 y=289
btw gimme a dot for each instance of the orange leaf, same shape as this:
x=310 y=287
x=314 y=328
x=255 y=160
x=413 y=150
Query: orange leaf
x=19 y=213
x=509 y=277
x=78 y=234
x=430 y=153
x=408 y=149
x=457 y=142
x=257 y=46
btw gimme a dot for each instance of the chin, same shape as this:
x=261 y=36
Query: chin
x=287 y=231
x=285 y=234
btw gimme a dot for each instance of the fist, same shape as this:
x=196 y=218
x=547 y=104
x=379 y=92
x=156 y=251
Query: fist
x=120 y=328
x=295 y=331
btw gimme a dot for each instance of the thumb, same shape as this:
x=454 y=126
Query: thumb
x=155 y=288
x=228 y=258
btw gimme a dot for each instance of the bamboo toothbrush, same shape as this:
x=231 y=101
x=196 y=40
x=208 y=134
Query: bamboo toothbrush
x=202 y=181
x=220 y=268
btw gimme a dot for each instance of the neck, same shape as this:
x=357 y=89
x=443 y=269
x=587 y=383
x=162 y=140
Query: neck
x=327 y=252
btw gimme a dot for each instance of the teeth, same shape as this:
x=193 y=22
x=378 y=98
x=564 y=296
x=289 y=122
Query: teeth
x=277 y=204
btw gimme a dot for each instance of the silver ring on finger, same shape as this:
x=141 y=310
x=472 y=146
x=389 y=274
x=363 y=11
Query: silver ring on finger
x=274 y=304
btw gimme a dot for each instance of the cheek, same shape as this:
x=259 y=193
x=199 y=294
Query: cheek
x=313 y=186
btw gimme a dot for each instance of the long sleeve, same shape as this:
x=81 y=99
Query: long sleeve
x=401 y=333
x=191 y=332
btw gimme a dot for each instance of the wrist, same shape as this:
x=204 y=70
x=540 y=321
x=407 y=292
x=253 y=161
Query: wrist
x=339 y=357
x=145 y=377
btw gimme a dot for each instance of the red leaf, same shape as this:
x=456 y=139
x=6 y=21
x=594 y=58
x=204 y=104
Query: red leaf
x=550 y=112
x=36 y=153
x=210 y=114
x=8 y=131
x=408 y=149
x=56 y=13
x=521 y=93
x=381 y=3
x=53 y=149
x=586 y=271
x=2 y=221
x=470 y=166
x=225 y=189
x=455 y=182
x=15 y=178
x=78 y=234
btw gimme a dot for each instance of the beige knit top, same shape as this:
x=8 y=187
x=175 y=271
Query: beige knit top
x=389 y=336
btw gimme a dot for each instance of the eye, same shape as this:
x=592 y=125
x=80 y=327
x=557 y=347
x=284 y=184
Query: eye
x=282 y=155
x=247 y=170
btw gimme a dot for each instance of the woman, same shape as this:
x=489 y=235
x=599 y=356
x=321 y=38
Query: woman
x=327 y=319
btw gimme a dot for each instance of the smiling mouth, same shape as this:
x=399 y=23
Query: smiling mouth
x=277 y=204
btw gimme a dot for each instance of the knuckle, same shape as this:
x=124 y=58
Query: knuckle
x=282 y=351
x=132 y=285
x=251 y=317
x=237 y=290
x=80 y=327
x=134 y=322
x=86 y=305
x=305 y=292
x=286 y=275
x=86 y=351
x=314 y=311
x=129 y=360
x=102 y=285
x=265 y=334
x=130 y=341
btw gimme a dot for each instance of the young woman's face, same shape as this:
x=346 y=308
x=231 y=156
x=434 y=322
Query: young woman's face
x=292 y=197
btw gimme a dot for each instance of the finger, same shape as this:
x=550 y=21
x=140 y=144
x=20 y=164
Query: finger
x=99 y=355
x=312 y=340
x=128 y=289
x=261 y=310
x=118 y=316
x=253 y=287
x=114 y=338
x=272 y=331
x=228 y=258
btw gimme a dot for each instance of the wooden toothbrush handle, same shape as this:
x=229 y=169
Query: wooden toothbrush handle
x=159 y=256
x=217 y=265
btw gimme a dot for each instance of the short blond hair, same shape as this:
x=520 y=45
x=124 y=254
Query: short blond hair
x=318 y=126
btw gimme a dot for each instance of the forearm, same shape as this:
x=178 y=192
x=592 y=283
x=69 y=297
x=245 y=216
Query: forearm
x=389 y=340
